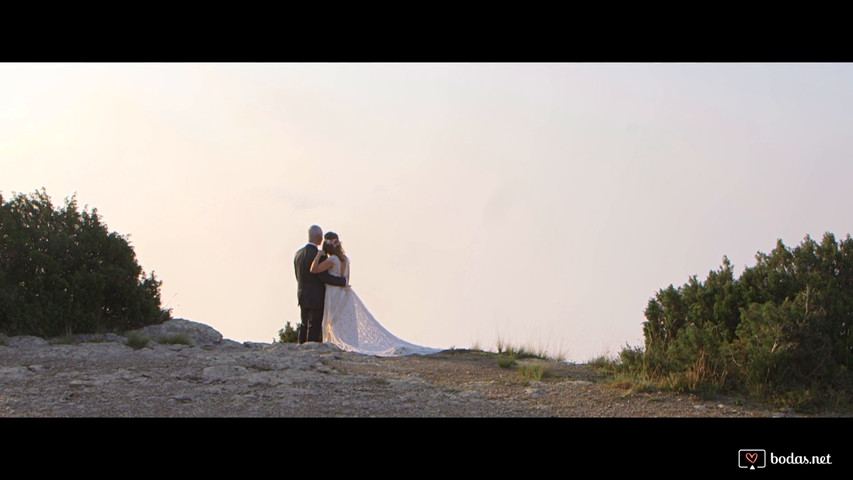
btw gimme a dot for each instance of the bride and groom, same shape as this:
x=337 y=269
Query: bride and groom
x=331 y=310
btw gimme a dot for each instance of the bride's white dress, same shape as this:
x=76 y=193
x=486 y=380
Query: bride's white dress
x=348 y=324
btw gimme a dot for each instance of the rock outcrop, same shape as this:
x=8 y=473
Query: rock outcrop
x=103 y=376
x=200 y=334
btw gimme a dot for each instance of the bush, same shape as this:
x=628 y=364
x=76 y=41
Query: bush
x=779 y=333
x=137 y=340
x=62 y=272
x=288 y=334
x=630 y=358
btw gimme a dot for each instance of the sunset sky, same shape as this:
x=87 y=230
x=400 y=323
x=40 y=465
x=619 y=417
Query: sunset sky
x=542 y=205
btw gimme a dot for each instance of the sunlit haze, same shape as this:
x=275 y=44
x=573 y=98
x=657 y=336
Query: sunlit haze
x=541 y=205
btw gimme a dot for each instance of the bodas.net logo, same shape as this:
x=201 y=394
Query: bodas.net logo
x=751 y=458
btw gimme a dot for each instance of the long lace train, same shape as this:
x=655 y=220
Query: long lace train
x=348 y=324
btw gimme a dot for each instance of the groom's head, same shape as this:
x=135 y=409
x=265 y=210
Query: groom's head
x=315 y=234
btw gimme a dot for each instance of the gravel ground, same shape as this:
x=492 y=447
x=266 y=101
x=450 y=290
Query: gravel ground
x=229 y=379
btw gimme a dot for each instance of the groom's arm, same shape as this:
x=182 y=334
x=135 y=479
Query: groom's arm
x=327 y=277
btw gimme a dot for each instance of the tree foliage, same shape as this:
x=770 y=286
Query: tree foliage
x=780 y=332
x=288 y=334
x=62 y=271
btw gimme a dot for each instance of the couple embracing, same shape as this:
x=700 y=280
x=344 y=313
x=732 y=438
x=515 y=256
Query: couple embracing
x=331 y=310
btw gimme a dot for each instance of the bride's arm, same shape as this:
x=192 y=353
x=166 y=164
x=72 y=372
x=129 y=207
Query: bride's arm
x=319 y=267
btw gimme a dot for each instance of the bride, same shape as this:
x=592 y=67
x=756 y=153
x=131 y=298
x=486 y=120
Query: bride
x=347 y=323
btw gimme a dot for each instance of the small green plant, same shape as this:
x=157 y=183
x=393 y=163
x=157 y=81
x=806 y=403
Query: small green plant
x=501 y=345
x=3 y=338
x=506 y=362
x=288 y=334
x=605 y=364
x=176 y=339
x=518 y=353
x=512 y=352
x=137 y=340
x=535 y=371
x=522 y=352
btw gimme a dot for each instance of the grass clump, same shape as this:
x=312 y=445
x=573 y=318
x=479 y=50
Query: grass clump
x=137 y=340
x=515 y=352
x=3 y=338
x=506 y=362
x=604 y=365
x=175 y=339
x=532 y=364
x=538 y=352
x=534 y=371
x=619 y=376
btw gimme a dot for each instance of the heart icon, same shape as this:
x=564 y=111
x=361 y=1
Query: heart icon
x=752 y=457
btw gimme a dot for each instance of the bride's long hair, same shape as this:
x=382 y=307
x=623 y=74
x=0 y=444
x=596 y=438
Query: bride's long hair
x=337 y=251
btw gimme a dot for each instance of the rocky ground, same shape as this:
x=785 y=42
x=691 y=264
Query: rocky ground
x=102 y=376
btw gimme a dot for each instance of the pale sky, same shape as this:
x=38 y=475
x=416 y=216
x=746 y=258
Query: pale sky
x=539 y=204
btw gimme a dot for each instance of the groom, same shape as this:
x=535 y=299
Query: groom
x=311 y=287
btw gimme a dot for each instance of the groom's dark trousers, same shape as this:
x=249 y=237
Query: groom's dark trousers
x=311 y=293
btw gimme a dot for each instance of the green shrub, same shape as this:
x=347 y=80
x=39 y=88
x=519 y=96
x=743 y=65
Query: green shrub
x=61 y=270
x=535 y=370
x=137 y=340
x=780 y=333
x=288 y=334
x=631 y=359
x=605 y=364
x=506 y=362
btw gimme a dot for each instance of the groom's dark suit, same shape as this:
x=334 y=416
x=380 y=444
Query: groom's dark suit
x=311 y=292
